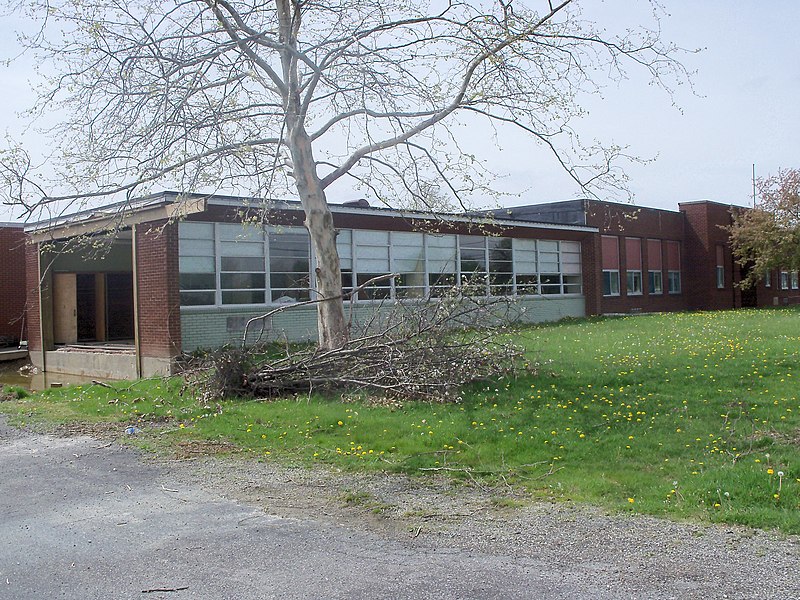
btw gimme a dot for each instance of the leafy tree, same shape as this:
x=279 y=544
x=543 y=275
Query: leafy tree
x=269 y=98
x=767 y=237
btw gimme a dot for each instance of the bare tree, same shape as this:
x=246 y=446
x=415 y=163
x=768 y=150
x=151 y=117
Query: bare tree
x=290 y=96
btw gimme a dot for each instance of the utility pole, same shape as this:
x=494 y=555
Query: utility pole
x=754 y=185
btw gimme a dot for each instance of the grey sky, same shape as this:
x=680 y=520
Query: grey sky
x=747 y=83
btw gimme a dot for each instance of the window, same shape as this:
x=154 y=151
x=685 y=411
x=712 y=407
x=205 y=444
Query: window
x=525 y=267
x=784 y=280
x=673 y=267
x=472 y=251
x=768 y=279
x=571 y=267
x=634 y=283
x=441 y=258
x=197 y=266
x=549 y=269
x=408 y=259
x=344 y=246
x=289 y=264
x=242 y=267
x=610 y=283
x=610 y=262
x=372 y=260
x=633 y=265
x=674 y=282
x=501 y=266
x=655 y=283
x=794 y=280
x=239 y=264
x=720 y=267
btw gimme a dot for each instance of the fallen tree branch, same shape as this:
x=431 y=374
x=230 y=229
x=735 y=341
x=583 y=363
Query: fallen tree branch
x=425 y=350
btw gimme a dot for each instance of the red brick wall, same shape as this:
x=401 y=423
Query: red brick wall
x=157 y=287
x=704 y=226
x=623 y=220
x=592 y=274
x=12 y=282
x=32 y=315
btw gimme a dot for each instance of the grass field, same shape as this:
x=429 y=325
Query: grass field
x=686 y=415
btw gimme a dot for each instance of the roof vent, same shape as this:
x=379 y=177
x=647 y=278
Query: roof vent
x=360 y=203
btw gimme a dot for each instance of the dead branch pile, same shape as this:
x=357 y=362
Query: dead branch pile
x=421 y=350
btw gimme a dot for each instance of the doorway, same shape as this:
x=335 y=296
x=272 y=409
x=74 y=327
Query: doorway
x=92 y=307
x=749 y=294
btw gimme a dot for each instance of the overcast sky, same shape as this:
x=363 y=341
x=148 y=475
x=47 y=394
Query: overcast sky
x=746 y=109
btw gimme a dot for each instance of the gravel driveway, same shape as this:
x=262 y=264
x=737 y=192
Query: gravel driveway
x=86 y=518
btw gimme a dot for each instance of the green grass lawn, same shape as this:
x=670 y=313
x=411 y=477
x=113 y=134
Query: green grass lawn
x=686 y=415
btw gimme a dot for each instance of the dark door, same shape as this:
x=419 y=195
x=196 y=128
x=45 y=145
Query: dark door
x=749 y=294
x=119 y=306
x=86 y=307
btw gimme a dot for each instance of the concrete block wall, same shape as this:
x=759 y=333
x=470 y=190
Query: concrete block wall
x=211 y=327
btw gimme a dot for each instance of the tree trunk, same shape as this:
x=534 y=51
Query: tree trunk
x=331 y=323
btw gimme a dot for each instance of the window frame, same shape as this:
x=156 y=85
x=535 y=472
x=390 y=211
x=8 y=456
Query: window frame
x=651 y=281
x=673 y=277
x=634 y=283
x=506 y=266
x=613 y=277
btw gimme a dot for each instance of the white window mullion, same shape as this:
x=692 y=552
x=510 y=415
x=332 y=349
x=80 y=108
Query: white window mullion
x=313 y=294
x=487 y=289
x=392 y=291
x=217 y=266
x=458 y=261
x=513 y=268
x=267 y=278
x=427 y=267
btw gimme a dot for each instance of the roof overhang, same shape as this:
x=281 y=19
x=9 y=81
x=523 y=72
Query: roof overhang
x=116 y=217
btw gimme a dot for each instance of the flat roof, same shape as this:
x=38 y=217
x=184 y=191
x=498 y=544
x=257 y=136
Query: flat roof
x=116 y=213
x=385 y=211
